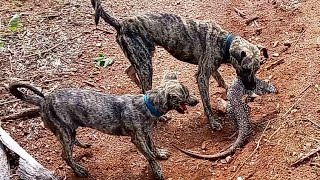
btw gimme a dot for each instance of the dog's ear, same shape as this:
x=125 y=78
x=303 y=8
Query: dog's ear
x=264 y=50
x=170 y=76
x=239 y=55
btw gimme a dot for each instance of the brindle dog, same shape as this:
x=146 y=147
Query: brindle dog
x=63 y=111
x=197 y=42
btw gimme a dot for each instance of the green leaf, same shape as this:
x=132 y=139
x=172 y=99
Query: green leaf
x=2 y=44
x=15 y=23
x=103 y=61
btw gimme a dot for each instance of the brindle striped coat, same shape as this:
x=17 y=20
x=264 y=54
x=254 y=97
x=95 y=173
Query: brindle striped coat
x=202 y=43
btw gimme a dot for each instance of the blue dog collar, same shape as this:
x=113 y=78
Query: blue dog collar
x=226 y=52
x=154 y=111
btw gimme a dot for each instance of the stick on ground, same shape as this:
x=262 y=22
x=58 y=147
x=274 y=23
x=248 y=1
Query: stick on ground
x=30 y=112
x=248 y=21
x=241 y=14
x=4 y=164
x=304 y=157
x=29 y=168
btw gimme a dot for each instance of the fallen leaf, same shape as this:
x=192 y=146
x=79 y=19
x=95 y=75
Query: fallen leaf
x=15 y=23
x=103 y=61
x=2 y=44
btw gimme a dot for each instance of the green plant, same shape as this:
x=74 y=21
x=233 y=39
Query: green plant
x=15 y=23
x=2 y=44
x=103 y=61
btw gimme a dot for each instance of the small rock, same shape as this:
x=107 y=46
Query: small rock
x=84 y=158
x=48 y=158
x=308 y=145
x=294 y=111
x=275 y=44
x=239 y=178
x=98 y=44
x=287 y=43
x=223 y=161
x=234 y=169
x=275 y=54
x=203 y=145
x=228 y=159
x=170 y=179
x=270 y=77
x=42 y=124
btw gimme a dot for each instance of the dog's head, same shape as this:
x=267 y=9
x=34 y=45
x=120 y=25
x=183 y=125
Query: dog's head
x=246 y=59
x=172 y=95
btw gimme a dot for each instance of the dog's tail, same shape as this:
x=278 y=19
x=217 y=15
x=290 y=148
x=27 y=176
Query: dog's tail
x=100 y=12
x=33 y=99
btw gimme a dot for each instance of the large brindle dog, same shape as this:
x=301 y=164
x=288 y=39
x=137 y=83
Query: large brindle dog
x=63 y=111
x=197 y=42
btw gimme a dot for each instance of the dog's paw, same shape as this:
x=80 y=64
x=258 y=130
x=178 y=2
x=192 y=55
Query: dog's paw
x=163 y=154
x=81 y=171
x=81 y=144
x=164 y=119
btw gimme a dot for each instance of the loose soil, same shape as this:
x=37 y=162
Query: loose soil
x=56 y=46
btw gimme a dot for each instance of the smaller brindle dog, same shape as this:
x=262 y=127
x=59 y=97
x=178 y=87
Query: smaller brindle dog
x=238 y=110
x=63 y=111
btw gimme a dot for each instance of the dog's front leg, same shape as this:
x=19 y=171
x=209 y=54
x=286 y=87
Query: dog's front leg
x=161 y=154
x=217 y=76
x=203 y=84
x=141 y=143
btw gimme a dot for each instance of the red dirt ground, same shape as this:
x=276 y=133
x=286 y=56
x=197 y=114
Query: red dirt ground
x=289 y=135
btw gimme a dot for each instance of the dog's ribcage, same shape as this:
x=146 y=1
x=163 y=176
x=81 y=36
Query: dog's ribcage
x=103 y=112
x=184 y=39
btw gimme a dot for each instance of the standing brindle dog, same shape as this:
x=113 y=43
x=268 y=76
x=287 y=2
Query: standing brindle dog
x=63 y=111
x=197 y=42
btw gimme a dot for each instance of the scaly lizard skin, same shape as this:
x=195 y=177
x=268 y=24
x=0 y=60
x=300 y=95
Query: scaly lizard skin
x=239 y=111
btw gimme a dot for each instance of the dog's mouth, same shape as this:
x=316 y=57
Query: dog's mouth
x=182 y=108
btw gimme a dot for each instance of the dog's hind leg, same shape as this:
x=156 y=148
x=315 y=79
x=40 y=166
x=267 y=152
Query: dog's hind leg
x=140 y=142
x=67 y=139
x=138 y=50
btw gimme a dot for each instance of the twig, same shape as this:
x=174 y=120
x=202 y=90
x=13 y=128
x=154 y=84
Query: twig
x=304 y=157
x=89 y=83
x=51 y=80
x=25 y=113
x=55 y=46
x=304 y=30
x=254 y=151
x=316 y=124
x=43 y=52
x=275 y=64
x=8 y=102
x=241 y=14
x=248 y=21
x=289 y=110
